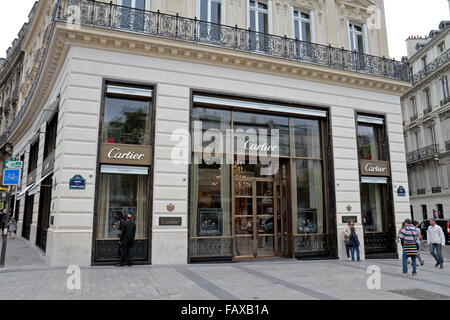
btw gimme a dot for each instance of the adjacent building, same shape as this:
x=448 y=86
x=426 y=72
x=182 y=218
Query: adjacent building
x=123 y=99
x=426 y=124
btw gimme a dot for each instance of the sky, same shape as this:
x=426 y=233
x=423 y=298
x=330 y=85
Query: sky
x=403 y=18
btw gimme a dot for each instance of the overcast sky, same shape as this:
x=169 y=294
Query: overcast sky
x=404 y=18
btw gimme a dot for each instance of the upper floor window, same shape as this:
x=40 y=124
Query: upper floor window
x=416 y=140
x=413 y=105
x=211 y=11
x=258 y=16
x=303 y=24
x=426 y=92
x=136 y=4
x=356 y=37
x=50 y=135
x=133 y=15
x=33 y=158
x=441 y=47
x=424 y=63
x=212 y=15
x=444 y=87
x=432 y=135
x=126 y=117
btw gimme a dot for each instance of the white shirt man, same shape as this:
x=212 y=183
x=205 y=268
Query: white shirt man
x=436 y=240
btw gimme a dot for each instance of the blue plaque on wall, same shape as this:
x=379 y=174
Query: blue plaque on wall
x=401 y=191
x=77 y=183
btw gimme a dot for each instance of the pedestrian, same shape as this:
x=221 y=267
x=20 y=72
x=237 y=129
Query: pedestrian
x=12 y=228
x=347 y=231
x=354 y=244
x=436 y=241
x=408 y=237
x=419 y=241
x=127 y=241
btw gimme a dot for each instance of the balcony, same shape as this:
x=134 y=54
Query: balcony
x=15 y=95
x=423 y=153
x=413 y=117
x=432 y=66
x=427 y=110
x=436 y=189
x=421 y=191
x=445 y=101
x=156 y=24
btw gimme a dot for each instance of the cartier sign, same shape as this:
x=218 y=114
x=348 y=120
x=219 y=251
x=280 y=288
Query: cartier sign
x=375 y=168
x=125 y=154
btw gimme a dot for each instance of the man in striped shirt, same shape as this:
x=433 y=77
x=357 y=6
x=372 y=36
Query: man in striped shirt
x=408 y=236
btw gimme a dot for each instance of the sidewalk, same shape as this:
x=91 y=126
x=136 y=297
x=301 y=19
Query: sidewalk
x=27 y=278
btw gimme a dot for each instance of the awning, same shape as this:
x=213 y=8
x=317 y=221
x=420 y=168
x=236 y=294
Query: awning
x=21 y=195
x=374 y=180
x=243 y=104
x=35 y=187
x=44 y=116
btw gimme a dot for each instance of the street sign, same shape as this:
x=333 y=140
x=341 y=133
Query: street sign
x=13 y=164
x=11 y=177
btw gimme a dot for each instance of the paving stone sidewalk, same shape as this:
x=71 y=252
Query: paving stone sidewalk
x=27 y=278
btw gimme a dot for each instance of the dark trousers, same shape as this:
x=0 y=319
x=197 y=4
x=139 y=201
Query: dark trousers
x=127 y=253
x=347 y=250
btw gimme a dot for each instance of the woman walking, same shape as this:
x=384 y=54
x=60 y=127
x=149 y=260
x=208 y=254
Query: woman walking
x=12 y=228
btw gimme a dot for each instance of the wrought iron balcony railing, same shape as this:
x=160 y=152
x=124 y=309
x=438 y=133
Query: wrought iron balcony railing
x=427 y=110
x=436 y=189
x=432 y=66
x=447 y=145
x=445 y=101
x=423 y=153
x=156 y=24
x=421 y=191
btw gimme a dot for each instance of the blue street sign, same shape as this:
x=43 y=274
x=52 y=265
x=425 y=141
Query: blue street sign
x=401 y=192
x=11 y=177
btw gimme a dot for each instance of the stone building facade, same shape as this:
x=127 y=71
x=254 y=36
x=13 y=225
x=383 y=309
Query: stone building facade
x=113 y=81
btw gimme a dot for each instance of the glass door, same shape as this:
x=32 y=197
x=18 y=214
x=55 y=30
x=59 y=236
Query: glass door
x=256 y=221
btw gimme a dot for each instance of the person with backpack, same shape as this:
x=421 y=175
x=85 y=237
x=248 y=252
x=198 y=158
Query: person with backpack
x=354 y=244
x=408 y=236
x=347 y=233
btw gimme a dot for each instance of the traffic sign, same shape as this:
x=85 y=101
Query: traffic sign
x=13 y=164
x=11 y=177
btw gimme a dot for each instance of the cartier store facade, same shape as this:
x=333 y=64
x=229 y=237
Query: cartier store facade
x=124 y=170
x=243 y=205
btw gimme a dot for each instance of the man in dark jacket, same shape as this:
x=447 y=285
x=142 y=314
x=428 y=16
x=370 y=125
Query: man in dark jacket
x=127 y=241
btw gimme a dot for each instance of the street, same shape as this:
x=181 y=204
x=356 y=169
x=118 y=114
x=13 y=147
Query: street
x=27 y=278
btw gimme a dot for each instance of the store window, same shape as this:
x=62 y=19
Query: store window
x=372 y=207
x=50 y=135
x=33 y=158
x=374 y=173
x=239 y=210
x=120 y=195
x=125 y=163
x=127 y=121
x=309 y=215
x=369 y=142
